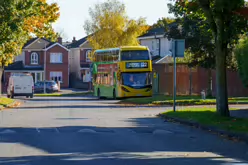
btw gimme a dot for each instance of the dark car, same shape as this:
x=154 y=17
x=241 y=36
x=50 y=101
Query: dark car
x=51 y=86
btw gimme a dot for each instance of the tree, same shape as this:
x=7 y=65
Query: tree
x=199 y=41
x=225 y=26
x=109 y=26
x=241 y=52
x=163 y=23
x=19 y=20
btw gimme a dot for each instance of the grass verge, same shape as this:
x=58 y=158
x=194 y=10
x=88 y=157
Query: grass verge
x=157 y=98
x=7 y=103
x=181 y=100
x=64 y=94
x=209 y=117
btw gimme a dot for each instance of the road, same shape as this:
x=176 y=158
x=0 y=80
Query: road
x=80 y=130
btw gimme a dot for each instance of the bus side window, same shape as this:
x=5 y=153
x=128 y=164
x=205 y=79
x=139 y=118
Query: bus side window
x=114 y=78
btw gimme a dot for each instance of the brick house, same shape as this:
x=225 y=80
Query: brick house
x=35 y=52
x=79 y=59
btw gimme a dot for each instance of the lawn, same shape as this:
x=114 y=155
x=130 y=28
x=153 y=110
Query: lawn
x=64 y=94
x=5 y=101
x=209 y=117
x=181 y=100
x=156 y=98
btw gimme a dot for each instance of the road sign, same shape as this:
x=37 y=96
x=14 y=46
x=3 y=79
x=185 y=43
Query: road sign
x=178 y=47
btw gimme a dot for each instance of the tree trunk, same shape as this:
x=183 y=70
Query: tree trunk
x=209 y=90
x=221 y=84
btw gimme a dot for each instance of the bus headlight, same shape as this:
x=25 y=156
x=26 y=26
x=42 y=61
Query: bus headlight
x=124 y=89
x=149 y=89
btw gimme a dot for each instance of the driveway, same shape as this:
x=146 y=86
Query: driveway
x=81 y=130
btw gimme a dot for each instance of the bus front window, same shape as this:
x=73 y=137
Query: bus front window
x=136 y=80
x=135 y=55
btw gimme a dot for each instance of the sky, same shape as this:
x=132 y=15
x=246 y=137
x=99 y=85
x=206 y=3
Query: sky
x=73 y=14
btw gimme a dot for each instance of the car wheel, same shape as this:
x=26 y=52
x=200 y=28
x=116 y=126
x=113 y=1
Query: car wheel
x=99 y=93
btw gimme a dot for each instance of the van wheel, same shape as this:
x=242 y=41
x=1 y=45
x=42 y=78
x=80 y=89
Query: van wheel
x=8 y=96
x=114 y=94
x=98 y=93
x=12 y=96
x=27 y=96
x=31 y=96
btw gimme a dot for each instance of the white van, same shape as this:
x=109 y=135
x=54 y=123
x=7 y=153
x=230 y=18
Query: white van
x=20 y=85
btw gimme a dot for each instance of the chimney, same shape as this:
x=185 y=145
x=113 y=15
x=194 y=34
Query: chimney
x=74 y=39
x=60 y=40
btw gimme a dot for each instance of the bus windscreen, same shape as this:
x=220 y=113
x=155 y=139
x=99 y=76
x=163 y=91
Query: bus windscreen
x=135 y=55
x=136 y=80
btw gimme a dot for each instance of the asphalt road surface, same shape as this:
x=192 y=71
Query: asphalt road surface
x=80 y=130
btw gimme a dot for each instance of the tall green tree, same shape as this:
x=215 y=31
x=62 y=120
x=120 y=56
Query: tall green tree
x=241 y=53
x=225 y=26
x=199 y=41
x=163 y=23
x=19 y=20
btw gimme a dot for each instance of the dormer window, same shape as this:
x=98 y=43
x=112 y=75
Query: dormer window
x=34 y=58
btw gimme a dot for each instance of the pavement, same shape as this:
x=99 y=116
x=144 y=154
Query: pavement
x=71 y=90
x=83 y=130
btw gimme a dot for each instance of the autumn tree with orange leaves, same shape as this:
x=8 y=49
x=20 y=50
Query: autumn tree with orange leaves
x=109 y=26
x=19 y=21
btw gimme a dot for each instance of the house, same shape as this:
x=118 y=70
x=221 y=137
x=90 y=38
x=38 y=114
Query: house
x=42 y=58
x=160 y=46
x=79 y=59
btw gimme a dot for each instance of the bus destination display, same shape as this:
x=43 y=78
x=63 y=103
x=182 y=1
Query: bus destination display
x=130 y=65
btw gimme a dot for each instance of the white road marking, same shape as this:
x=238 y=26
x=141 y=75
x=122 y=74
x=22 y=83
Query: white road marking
x=160 y=131
x=37 y=129
x=87 y=131
x=56 y=129
x=7 y=131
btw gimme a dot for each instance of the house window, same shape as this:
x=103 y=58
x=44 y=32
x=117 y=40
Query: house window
x=56 y=58
x=153 y=45
x=34 y=58
x=86 y=75
x=88 y=55
x=158 y=44
x=56 y=76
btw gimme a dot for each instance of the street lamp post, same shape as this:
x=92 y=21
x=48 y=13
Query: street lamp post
x=44 y=66
x=45 y=69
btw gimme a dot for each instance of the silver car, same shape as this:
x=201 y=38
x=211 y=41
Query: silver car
x=51 y=86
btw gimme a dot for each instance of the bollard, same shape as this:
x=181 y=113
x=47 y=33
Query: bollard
x=203 y=94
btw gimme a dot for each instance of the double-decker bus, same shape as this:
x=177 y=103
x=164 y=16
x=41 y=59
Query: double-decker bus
x=122 y=72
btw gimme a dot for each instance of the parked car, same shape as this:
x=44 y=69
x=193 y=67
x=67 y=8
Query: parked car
x=51 y=86
x=20 y=85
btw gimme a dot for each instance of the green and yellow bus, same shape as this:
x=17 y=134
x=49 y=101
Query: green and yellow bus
x=122 y=72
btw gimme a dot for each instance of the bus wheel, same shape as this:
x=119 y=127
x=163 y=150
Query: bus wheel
x=98 y=94
x=114 y=94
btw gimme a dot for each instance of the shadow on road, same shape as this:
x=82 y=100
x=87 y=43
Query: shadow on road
x=84 y=106
x=74 y=145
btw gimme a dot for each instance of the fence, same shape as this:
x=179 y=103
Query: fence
x=191 y=81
